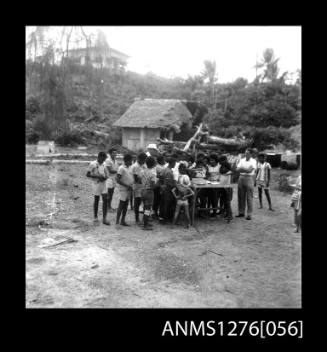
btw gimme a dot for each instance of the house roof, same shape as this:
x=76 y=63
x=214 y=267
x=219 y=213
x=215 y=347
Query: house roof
x=155 y=113
x=111 y=51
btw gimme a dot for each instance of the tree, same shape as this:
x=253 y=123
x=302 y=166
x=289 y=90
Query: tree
x=209 y=73
x=269 y=64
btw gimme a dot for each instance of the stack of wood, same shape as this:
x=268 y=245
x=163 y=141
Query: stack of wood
x=203 y=141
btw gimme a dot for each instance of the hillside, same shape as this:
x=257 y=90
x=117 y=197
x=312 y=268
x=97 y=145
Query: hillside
x=78 y=105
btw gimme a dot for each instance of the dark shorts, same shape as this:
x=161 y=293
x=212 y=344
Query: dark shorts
x=148 y=197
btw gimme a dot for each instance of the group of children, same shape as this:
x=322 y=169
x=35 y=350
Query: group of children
x=163 y=186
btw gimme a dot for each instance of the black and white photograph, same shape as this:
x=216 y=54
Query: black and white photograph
x=163 y=166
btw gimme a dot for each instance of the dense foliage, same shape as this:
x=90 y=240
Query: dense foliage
x=66 y=99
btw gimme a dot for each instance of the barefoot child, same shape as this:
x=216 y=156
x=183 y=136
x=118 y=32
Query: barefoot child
x=149 y=181
x=296 y=203
x=112 y=167
x=168 y=182
x=97 y=171
x=263 y=179
x=157 y=196
x=213 y=175
x=137 y=169
x=125 y=184
x=182 y=192
x=225 y=179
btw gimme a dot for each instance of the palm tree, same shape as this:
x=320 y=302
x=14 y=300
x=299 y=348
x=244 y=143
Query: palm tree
x=210 y=73
x=270 y=65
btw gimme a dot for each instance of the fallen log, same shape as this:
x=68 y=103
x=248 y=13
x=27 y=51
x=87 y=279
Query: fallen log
x=64 y=161
x=228 y=141
x=199 y=132
x=101 y=134
x=67 y=155
x=39 y=161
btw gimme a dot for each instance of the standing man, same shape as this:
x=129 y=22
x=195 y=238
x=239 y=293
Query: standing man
x=247 y=168
x=112 y=167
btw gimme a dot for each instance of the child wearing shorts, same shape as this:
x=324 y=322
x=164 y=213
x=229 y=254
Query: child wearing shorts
x=112 y=167
x=225 y=171
x=296 y=203
x=182 y=192
x=125 y=185
x=137 y=168
x=97 y=171
x=263 y=179
x=149 y=181
x=157 y=196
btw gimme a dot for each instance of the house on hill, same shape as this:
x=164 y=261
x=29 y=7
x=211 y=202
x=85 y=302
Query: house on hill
x=106 y=57
x=148 y=119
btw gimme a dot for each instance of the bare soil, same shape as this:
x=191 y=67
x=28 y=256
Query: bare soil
x=71 y=263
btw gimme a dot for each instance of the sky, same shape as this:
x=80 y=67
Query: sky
x=171 y=51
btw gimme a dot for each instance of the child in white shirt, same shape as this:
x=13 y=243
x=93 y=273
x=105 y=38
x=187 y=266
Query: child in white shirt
x=263 y=179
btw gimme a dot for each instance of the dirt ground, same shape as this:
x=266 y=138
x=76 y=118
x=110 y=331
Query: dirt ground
x=243 y=264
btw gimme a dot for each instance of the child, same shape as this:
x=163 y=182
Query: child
x=225 y=171
x=167 y=184
x=125 y=186
x=296 y=203
x=148 y=182
x=213 y=175
x=156 y=201
x=263 y=179
x=175 y=169
x=182 y=192
x=112 y=167
x=200 y=171
x=137 y=169
x=191 y=162
x=99 y=174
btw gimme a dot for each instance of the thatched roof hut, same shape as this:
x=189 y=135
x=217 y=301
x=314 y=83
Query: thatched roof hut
x=155 y=113
x=146 y=119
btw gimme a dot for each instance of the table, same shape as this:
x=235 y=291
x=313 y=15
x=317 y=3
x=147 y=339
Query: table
x=197 y=188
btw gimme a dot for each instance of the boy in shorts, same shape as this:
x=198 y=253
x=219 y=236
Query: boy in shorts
x=149 y=181
x=125 y=186
x=263 y=179
x=137 y=169
x=182 y=192
x=156 y=201
x=226 y=193
x=97 y=171
x=112 y=167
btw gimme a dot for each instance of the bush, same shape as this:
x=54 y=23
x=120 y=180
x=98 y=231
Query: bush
x=265 y=137
x=42 y=127
x=33 y=106
x=69 y=138
x=32 y=137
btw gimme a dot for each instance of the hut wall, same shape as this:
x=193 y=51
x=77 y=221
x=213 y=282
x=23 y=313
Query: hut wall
x=131 y=138
x=137 y=138
x=151 y=135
